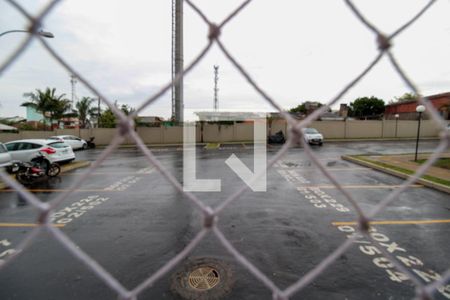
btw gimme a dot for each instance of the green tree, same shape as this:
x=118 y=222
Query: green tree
x=366 y=107
x=405 y=97
x=127 y=110
x=107 y=119
x=63 y=109
x=306 y=107
x=48 y=103
x=298 y=109
x=85 y=110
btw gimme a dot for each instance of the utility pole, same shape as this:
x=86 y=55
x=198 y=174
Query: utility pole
x=177 y=59
x=216 y=89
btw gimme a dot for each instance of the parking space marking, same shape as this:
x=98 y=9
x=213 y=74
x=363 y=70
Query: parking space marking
x=328 y=169
x=15 y=225
x=103 y=173
x=148 y=170
x=60 y=190
x=394 y=222
x=6 y=250
x=347 y=169
x=77 y=209
x=381 y=186
x=119 y=186
x=371 y=249
x=320 y=199
x=314 y=195
x=123 y=184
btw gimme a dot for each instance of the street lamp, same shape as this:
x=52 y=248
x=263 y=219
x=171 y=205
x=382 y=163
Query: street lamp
x=420 y=109
x=45 y=34
x=396 y=123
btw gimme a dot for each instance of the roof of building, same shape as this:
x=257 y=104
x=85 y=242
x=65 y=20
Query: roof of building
x=431 y=97
x=4 y=127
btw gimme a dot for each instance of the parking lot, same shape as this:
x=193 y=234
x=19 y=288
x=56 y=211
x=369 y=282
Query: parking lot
x=129 y=219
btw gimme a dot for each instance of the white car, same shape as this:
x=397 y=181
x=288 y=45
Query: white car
x=5 y=157
x=71 y=140
x=25 y=150
x=312 y=136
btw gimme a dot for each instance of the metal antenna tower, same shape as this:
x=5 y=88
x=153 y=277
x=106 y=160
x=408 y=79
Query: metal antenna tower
x=216 y=89
x=177 y=59
x=73 y=82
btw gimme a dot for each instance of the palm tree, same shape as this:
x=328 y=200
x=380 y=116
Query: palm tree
x=85 y=110
x=63 y=109
x=51 y=105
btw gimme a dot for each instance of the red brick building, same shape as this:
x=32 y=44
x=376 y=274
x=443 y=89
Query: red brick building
x=407 y=109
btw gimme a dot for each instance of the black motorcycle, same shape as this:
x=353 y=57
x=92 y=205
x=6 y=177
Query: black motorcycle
x=277 y=138
x=90 y=143
x=40 y=168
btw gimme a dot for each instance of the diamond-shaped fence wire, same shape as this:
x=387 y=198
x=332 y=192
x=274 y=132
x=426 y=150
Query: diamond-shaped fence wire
x=210 y=214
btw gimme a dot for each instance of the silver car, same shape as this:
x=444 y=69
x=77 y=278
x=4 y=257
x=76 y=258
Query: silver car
x=5 y=157
x=71 y=140
x=312 y=136
x=25 y=150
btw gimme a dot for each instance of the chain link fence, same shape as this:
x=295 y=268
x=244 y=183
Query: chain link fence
x=210 y=214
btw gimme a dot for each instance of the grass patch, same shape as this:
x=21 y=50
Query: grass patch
x=443 y=162
x=212 y=146
x=405 y=171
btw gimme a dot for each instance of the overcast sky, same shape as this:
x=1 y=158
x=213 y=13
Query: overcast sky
x=296 y=50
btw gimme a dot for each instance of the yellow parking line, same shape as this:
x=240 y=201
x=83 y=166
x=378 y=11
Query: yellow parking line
x=347 y=169
x=301 y=168
x=393 y=222
x=362 y=186
x=27 y=225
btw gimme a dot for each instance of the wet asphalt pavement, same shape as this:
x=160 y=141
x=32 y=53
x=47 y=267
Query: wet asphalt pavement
x=132 y=221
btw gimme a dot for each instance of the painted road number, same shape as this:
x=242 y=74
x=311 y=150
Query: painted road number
x=411 y=262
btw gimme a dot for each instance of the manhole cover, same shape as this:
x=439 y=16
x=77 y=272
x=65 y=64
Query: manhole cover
x=204 y=278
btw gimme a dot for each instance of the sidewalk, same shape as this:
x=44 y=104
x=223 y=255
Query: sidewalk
x=403 y=166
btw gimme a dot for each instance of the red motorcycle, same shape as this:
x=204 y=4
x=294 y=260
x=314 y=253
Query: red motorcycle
x=40 y=168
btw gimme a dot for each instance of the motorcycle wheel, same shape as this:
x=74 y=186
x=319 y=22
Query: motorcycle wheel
x=24 y=179
x=53 y=170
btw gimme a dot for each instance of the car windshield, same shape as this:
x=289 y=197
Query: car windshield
x=3 y=148
x=54 y=138
x=311 y=130
x=58 y=145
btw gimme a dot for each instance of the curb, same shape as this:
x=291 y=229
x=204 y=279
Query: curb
x=156 y=146
x=328 y=140
x=64 y=168
x=424 y=182
x=380 y=139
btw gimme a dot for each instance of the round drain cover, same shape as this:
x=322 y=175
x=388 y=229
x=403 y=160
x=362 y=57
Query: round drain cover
x=202 y=278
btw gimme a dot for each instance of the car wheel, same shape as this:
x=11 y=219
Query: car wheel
x=84 y=147
x=320 y=144
x=53 y=170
